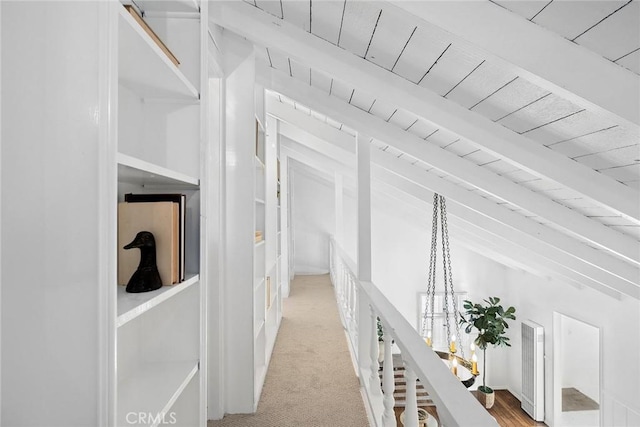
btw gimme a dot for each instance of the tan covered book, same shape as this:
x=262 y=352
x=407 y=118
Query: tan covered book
x=152 y=34
x=162 y=220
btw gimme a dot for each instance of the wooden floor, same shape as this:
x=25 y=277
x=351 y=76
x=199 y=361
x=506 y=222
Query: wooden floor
x=506 y=410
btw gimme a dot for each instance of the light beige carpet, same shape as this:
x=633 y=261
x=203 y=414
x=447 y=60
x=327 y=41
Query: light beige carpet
x=310 y=381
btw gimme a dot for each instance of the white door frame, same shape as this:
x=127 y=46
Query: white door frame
x=557 y=371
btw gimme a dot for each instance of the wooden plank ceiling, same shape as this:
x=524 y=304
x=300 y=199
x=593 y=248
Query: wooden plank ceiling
x=427 y=56
x=609 y=28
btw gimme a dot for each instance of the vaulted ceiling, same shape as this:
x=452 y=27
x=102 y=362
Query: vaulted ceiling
x=525 y=114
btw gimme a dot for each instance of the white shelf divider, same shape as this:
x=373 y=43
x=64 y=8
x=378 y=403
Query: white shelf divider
x=139 y=172
x=169 y=6
x=259 y=328
x=131 y=305
x=260 y=243
x=260 y=201
x=167 y=380
x=145 y=69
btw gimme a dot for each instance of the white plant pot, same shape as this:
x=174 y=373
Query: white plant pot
x=424 y=419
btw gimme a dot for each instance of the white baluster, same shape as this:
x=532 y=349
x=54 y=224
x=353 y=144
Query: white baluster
x=411 y=408
x=389 y=416
x=347 y=296
x=374 y=380
x=343 y=290
x=343 y=297
x=342 y=284
x=356 y=307
x=353 y=298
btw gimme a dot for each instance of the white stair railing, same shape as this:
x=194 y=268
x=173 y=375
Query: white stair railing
x=454 y=404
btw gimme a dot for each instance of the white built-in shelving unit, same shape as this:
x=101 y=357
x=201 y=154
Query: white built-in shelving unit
x=274 y=292
x=261 y=284
x=159 y=335
x=251 y=285
x=266 y=296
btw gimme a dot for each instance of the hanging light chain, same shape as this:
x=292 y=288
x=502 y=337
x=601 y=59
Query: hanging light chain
x=431 y=283
x=447 y=255
x=440 y=209
x=445 y=259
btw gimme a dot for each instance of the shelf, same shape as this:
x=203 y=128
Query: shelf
x=259 y=329
x=145 y=69
x=259 y=163
x=260 y=243
x=136 y=171
x=260 y=125
x=169 y=6
x=131 y=306
x=272 y=304
x=260 y=201
x=154 y=389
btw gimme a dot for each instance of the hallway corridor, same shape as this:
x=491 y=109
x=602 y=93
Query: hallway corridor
x=310 y=381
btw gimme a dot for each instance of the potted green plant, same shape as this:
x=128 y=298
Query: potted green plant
x=380 y=340
x=490 y=319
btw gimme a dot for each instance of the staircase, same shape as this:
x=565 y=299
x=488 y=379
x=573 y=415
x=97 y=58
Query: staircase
x=400 y=389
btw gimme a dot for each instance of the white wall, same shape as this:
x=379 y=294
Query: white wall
x=536 y=299
x=313 y=222
x=239 y=67
x=580 y=357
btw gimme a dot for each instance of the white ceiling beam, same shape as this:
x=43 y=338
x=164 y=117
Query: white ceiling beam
x=590 y=260
x=541 y=56
x=297 y=134
x=312 y=158
x=552 y=258
x=306 y=126
x=575 y=223
x=529 y=261
x=599 y=270
x=265 y=29
x=555 y=252
x=506 y=252
x=480 y=241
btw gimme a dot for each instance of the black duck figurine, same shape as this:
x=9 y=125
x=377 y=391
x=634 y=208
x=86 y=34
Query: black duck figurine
x=146 y=278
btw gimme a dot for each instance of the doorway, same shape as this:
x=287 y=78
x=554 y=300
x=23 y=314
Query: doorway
x=576 y=373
